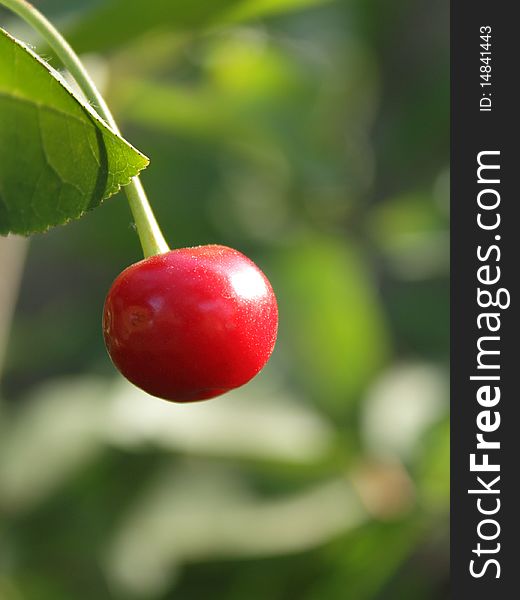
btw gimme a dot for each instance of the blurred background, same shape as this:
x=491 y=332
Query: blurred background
x=313 y=136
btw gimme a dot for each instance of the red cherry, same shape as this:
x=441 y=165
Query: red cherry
x=192 y=323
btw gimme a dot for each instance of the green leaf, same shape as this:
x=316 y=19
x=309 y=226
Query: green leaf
x=58 y=159
x=96 y=30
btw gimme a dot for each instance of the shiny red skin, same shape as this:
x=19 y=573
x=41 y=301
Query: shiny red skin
x=192 y=323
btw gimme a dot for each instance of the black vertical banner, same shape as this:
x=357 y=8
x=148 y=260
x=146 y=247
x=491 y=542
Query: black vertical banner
x=485 y=268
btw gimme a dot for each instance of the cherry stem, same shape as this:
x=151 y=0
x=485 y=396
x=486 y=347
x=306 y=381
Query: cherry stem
x=152 y=240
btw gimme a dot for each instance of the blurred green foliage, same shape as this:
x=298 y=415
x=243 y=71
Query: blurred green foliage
x=313 y=136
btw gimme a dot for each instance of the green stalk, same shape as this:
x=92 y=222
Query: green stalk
x=152 y=240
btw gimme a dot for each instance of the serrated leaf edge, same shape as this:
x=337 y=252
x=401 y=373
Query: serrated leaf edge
x=98 y=121
x=61 y=80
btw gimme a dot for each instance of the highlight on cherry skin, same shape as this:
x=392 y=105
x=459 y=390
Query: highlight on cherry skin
x=192 y=323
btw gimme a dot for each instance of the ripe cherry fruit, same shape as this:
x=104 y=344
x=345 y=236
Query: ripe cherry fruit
x=192 y=323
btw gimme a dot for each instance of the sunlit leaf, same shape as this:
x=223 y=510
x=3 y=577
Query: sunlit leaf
x=57 y=158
